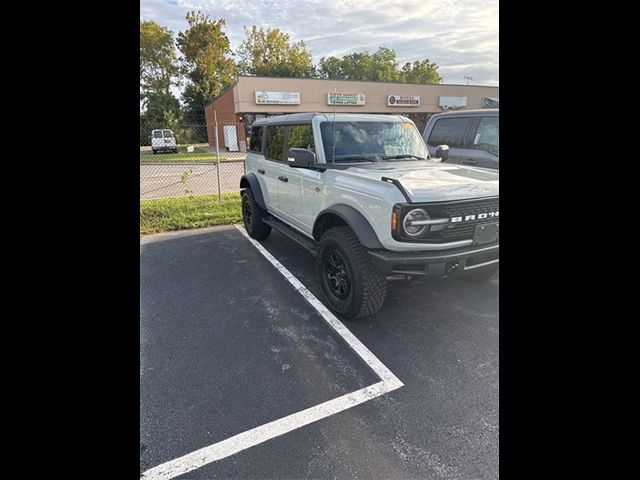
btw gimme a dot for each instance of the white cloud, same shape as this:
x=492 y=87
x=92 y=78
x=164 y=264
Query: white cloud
x=461 y=36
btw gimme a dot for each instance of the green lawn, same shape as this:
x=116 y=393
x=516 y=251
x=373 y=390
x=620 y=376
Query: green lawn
x=194 y=157
x=188 y=212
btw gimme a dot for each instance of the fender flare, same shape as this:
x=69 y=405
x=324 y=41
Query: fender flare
x=354 y=219
x=250 y=180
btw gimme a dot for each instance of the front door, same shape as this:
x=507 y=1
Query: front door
x=449 y=131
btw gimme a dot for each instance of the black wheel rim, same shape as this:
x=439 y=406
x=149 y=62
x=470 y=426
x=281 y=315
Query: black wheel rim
x=248 y=215
x=336 y=274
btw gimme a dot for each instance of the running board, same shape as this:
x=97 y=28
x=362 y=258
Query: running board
x=305 y=242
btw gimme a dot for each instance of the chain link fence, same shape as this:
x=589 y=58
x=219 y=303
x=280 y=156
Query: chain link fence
x=179 y=160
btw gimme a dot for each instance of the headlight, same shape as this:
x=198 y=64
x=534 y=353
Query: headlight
x=412 y=222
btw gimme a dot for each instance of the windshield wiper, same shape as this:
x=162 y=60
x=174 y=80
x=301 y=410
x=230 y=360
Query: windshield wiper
x=397 y=157
x=353 y=157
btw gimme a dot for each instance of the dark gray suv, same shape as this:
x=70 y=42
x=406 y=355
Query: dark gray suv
x=473 y=136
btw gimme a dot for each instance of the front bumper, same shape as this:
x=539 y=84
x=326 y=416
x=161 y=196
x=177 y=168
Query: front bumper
x=437 y=264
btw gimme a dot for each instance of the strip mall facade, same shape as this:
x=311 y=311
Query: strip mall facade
x=251 y=98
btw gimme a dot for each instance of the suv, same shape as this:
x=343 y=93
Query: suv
x=163 y=140
x=473 y=136
x=362 y=194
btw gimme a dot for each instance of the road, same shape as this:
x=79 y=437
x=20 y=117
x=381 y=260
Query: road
x=228 y=345
x=160 y=180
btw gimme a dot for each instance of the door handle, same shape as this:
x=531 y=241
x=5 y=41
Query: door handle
x=283 y=178
x=470 y=161
x=261 y=171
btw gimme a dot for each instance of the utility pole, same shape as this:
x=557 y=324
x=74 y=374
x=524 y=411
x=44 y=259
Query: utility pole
x=467 y=77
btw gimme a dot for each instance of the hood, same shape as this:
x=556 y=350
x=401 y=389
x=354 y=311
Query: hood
x=434 y=182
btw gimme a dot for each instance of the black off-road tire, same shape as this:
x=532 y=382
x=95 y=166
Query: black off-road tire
x=252 y=216
x=484 y=276
x=367 y=287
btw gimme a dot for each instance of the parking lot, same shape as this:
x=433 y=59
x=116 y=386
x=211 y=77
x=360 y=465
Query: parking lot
x=242 y=377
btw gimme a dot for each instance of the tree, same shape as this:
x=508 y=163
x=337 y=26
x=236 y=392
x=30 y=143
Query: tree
x=331 y=68
x=162 y=111
x=158 y=67
x=270 y=53
x=380 y=66
x=421 y=72
x=205 y=50
x=385 y=65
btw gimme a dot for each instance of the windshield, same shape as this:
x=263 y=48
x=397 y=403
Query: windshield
x=371 y=141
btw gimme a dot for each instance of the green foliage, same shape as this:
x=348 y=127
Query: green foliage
x=188 y=212
x=270 y=53
x=197 y=156
x=331 y=68
x=421 y=72
x=183 y=179
x=158 y=63
x=205 y=50
x=163 y=111
x=207 y=65
x=380 y=66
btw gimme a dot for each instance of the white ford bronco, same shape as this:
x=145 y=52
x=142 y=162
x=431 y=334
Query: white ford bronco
x=362 y=194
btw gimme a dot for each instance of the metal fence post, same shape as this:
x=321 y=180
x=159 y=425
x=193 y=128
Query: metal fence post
x=215 y=116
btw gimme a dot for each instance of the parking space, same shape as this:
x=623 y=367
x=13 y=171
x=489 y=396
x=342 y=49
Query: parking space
x=228 y=345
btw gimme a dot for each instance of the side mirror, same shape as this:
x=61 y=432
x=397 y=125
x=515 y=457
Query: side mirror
x=301 y=158
x=442 y=152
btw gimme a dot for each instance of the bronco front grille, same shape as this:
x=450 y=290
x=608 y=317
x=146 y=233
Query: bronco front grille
x=463 y=230
x=452 y=232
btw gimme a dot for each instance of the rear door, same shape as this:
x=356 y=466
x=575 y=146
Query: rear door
x=449 y=131
x=157 y=140
x=271 y=167
x=169 y=139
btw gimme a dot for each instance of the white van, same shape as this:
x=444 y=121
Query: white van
x=163 y=140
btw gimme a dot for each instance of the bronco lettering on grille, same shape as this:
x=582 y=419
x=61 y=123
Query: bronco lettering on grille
x=469 y=218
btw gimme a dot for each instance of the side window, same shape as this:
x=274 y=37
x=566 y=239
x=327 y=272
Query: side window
x=275 y=143
x=487 y=137
x=255 y=142
x=301 y=136
x=448 y=131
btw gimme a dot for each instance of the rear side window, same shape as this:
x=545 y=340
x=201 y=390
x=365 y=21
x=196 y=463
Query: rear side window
x=157 y=134
x=275 y=143
x=255 y=141
x=448 y=131
x=487 y=137
x=168 y=134
x=300 y=136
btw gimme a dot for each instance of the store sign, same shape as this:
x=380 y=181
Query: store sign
x=345 y=99
x=452 y=102
x=403 y=100
x=491 y=102
x=277 y=98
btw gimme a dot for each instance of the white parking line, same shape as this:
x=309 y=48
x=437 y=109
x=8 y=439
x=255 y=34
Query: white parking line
x=255 y=436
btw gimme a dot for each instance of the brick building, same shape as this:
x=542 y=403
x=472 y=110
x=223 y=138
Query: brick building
x=251 y=98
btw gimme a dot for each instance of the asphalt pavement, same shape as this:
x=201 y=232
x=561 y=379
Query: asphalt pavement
x=227 y=345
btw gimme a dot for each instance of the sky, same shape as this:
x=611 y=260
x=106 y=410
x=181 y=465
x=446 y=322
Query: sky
x=461 y=36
